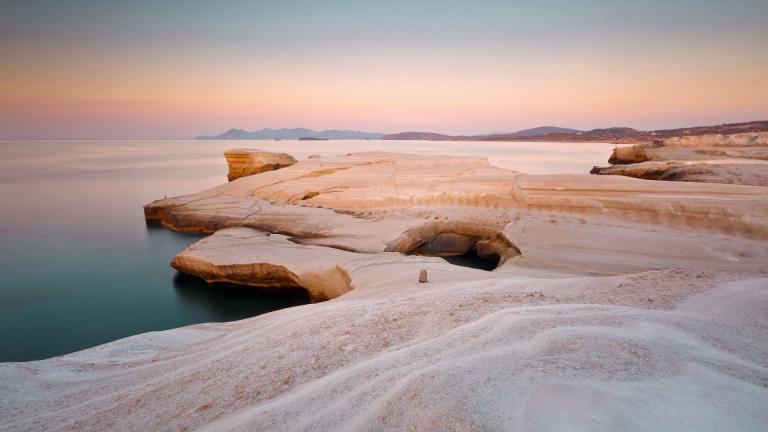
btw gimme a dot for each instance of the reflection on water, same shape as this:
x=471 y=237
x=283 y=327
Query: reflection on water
x=233 y=302
x=79 y=266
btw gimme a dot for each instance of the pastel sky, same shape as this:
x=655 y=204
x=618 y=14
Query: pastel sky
x=176 y=69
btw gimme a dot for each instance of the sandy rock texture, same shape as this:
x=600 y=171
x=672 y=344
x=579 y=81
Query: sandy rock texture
x=364 y=201
x=734 y=159
x=617 y=304
x=640 y=352
x=244 y=162
x=246 y=256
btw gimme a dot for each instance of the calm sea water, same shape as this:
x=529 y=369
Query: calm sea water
x=79 y=266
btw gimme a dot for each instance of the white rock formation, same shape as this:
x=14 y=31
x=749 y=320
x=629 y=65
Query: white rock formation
x=364 y=201
x=646 y=352
x=619 y=304
x=244 y=162
x=733 y=159
x=246 y=256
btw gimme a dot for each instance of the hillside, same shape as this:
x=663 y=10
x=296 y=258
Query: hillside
x=542 y=130
x=611 y=134
x=426 y=136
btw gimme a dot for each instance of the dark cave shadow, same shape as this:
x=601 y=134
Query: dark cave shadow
x=473 y=260
x=230 y=302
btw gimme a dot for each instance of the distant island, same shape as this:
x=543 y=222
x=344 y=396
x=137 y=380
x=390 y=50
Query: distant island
x=294 y=133
x=612 y=134
x=543 y=133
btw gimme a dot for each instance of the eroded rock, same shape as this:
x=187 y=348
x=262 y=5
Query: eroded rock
x=245 y=256
x=364 y=201
x=752 y=174
x=733 y=159
x=245 y=161
x=632 y=153
x=652 y=291
x=347 y=214
x=455 y=238
x=431 y=357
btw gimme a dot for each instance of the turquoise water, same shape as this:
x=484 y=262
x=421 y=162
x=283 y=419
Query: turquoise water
x=80 y=267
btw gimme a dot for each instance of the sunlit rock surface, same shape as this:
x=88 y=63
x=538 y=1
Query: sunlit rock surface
x=733 y=159
x=618 y=304
x=245 y=161
x=642 y=351
x=363 y=201
x=246 y=256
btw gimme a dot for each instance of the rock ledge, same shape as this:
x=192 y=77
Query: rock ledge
x=244 y=162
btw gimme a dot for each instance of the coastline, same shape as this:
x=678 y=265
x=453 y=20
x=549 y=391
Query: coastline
x=650 y=290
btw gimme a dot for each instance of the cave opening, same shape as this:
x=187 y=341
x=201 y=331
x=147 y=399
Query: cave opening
x=461 y=250
x=462 y=244
x=472 y=260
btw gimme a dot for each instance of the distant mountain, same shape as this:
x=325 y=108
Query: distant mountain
x=543 y=133
x=613 y=131
x=542 y=130
x=431 y=136
x=425 y=136
x=294 y=133
x=611 y=134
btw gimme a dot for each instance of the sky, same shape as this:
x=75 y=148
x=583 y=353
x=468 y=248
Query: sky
x=177 y=69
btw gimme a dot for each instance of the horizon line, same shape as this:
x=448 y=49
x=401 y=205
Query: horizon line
x=359 y=130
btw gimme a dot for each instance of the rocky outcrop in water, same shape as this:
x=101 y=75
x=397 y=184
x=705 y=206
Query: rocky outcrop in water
x=734 y=159
x=244 y=162
x=245 y=256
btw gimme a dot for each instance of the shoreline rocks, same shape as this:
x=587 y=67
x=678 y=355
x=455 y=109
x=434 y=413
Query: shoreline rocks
x=348 y=209
x=364 y=201
x=245 y=162
x=245 y=256
x=731 y=159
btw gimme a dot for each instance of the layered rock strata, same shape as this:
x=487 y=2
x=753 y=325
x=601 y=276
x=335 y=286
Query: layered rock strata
x=244 y=162
x=336 y=209
x=364 y=201
x=732 y=159
x=246 y=256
